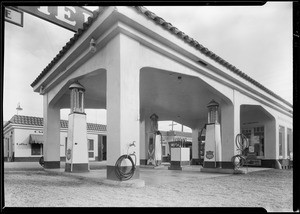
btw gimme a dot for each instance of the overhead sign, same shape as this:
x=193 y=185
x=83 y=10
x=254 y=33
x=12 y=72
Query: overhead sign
x=69 y=17
x=13 y=16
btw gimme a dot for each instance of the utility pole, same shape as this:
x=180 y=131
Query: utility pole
x=173 y=124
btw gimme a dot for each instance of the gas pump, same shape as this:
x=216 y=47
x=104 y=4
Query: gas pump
x=154 y=140
x=77 y=159
x=201 y=145
x=213 y=149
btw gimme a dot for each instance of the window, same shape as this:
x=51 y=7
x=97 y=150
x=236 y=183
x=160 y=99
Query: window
x=164 y=150
x=90 y=144
x=36 y=149
x=255 y=137
x=259 y=136
x=247 y=133
x=91 y=148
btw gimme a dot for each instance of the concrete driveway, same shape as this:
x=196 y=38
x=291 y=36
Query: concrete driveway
x=29 y=185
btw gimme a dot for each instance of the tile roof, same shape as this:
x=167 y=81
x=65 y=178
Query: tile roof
x=172 y=29
x=39 y=121
x=69 y=44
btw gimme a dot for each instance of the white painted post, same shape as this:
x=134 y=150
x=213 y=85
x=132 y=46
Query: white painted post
x=51 y=146
x=284 y=146
x=195 y=148
x=123 y=102
x=230 y=127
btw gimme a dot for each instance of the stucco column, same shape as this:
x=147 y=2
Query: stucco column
x=195 y=147
x=51 y=146
x=123 y=102
x=230 y=127
x=270 y=140
x=277 y=139
x=284 y=146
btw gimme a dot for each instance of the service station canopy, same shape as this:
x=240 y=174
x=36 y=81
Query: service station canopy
x=178 y=76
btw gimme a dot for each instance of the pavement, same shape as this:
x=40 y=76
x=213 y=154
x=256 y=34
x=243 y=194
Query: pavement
x=148 y=175
x=27 y=184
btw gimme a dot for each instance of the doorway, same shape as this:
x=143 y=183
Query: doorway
x=102 y=148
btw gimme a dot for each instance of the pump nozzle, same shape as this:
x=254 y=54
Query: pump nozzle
x=132 y=144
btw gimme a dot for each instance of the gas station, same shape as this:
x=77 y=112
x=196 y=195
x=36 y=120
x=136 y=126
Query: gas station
x=141 y=69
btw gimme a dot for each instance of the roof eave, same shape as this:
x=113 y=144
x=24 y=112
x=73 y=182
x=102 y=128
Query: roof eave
x=74 y=43
x=209 y=55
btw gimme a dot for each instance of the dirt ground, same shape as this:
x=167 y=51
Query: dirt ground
x=271 y=189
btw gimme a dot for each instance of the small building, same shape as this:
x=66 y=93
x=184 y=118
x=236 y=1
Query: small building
x=23 y=139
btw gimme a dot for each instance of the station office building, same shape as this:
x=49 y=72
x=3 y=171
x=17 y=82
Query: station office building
x=23 y=139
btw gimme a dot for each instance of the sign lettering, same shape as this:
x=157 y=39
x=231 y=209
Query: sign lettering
x=13 y=16
x=69 y=17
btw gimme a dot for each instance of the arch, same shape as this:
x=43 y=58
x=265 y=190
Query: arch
x=176 y=96
x=259 y=126
x=95 y=97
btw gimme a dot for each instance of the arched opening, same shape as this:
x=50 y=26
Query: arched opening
x=258 y=126
x=176 y=97
x=95 y=110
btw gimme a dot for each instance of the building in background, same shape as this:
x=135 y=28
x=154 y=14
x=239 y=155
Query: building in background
x=23 y=139
x=174 y=139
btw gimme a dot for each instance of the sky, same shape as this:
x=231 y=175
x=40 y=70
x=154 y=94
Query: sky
x=255 y=39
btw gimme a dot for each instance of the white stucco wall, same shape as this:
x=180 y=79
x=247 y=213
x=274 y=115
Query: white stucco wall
x=95 y=138
x=22 y=145
x=8 y=143
x=63 y=135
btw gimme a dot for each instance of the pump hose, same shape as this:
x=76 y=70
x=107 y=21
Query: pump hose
x=242 y=145
x=122 y=175
x=199 y=144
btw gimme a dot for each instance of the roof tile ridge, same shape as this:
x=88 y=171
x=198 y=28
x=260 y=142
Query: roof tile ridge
x=205 y=50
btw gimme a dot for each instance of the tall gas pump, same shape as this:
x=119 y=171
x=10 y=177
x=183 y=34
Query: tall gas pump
x=213 y=149
x=77 y=159
x=154 y=142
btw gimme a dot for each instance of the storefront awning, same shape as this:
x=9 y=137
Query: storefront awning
x=35 y=138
